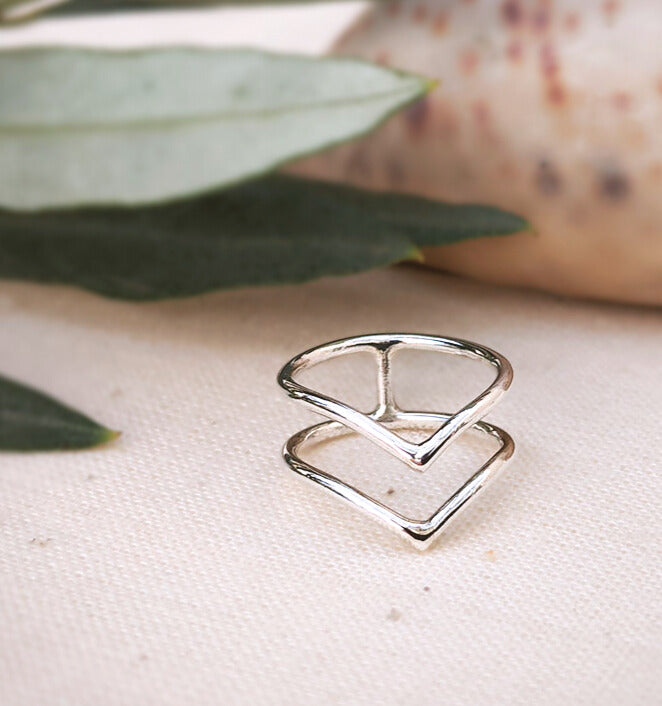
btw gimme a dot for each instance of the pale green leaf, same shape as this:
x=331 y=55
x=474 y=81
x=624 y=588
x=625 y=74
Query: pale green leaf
x=82 y=127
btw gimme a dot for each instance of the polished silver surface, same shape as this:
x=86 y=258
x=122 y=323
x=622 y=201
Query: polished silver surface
x=380 y=426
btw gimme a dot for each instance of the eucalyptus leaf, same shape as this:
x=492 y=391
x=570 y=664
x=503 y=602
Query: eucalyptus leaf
x=81 y=126
x=33 y=421
x=278 y=229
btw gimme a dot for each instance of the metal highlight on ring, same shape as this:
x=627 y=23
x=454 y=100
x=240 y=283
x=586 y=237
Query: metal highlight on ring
x=381 y=425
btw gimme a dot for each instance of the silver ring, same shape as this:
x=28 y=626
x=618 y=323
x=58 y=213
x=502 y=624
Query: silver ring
x=380 y=425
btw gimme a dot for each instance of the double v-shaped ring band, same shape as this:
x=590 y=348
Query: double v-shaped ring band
x=380 y=425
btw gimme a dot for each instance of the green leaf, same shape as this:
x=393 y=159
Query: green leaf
x=274 y=230
x=20 y=10
x=32 y=421
x=81 y=127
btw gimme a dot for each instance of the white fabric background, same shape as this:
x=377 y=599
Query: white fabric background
x=185 y=564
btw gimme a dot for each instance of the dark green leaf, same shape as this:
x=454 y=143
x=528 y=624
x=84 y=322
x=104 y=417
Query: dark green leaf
x=32 y=421
x=20 y=10
x=91 y=127
x=275 y=230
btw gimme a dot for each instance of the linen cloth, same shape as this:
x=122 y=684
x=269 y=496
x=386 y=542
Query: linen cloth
x=185 y=564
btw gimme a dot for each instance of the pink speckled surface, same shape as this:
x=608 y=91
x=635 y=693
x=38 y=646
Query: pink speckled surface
x=548 y=109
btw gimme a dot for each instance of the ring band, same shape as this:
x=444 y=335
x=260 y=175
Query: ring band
x=379 y=426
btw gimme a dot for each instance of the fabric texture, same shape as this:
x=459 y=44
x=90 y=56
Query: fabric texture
x=185 y=564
